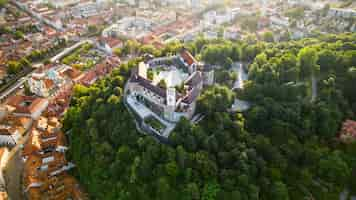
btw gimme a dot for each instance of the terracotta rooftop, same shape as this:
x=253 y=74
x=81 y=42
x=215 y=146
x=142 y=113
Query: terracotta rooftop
x=49 y=83
x=148 y=85
x=45 y=175
x=72 y=73
x=26 y=104
x=188 y=58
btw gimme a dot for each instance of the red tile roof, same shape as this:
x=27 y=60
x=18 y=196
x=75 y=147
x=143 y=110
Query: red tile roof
x=26 y=104
x=72 y=73
x=49 y=83
x=188 y=58
x=89 y=78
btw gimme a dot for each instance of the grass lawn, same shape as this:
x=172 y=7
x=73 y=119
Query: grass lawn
x=155 y=123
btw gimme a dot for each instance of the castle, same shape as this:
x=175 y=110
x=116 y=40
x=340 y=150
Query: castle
x=167 y=87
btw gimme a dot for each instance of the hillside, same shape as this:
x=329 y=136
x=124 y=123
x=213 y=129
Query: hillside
x=284 y=147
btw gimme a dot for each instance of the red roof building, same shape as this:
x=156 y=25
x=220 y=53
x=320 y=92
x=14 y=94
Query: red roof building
x=89 y=78
x=187 y=57
x=28 y=106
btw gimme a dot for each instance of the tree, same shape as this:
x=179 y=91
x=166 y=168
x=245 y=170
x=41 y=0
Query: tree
x=3 y=3
x=307 y=59
x=279 y=191
x=334 y=169
x=92 y=28
x=27 y=90
x=268 y=36
x=216 y=99
x=150 y=74
x=118 y=52
x=162 y=84
x=283 y=147
x=18 y=35
x=149 y=49
x=172 y=170
x=191 y=191
x=130 y=47
x=14 y=67
x=210 y=191
x=327 y=60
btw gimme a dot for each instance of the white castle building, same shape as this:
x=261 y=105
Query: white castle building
x=183 y=84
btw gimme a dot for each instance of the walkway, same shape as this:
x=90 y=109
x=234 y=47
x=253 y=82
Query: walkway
x=241 y=75
x=239 y=105
x=13 y=88
x=70 y=49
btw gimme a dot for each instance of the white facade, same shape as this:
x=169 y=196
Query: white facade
x=62 y=3
x=279 y=21
x=38 y=86
x=345 y=13
x=85 y=10
x=130 y=27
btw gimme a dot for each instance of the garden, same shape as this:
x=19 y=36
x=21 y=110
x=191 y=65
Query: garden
x=84 y=57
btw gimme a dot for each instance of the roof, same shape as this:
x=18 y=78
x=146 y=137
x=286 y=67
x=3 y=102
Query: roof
x=187 y=57
x=191 y=96
x=26 y=104
x=112 y=42
x=148 y=85
x=48 y=83
x=72 y=73
x=89 y=78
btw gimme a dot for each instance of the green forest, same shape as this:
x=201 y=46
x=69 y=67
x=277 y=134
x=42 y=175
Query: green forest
x=285 y=147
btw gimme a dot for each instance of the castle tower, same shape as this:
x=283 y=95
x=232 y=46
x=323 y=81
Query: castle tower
x=171 y=103
x=142 y=70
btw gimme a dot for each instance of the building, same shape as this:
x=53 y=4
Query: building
x=85 y=10
x=63 y=3
x=44 y=84
x=26 y=106
x=108 y=44
x=45 y=170
x=177 y=98
x=278 y=21
x=217 y=18
x=339 y=12
x=130 y=27
x=12 y=127
x=232 y=33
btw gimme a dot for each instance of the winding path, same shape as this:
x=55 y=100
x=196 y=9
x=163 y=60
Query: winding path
x=241 y=75
x=239 y=105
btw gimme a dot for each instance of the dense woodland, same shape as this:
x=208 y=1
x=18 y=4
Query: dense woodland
x=284 y=147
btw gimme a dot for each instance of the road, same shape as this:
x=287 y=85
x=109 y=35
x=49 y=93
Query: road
x=239 y=105
x=13 y=88
x=69 y=49
x=22 y=80
x=241 y=75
